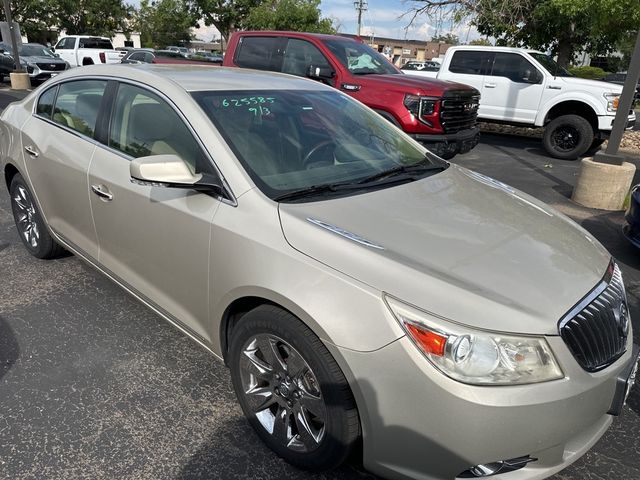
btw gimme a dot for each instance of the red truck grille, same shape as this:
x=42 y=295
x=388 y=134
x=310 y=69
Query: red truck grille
x=459 y=110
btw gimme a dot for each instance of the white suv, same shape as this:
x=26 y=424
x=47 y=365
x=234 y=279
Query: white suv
x=527 y=88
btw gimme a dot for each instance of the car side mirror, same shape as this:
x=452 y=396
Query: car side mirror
x=322 y=73
x=171 y=171
x=53 y=49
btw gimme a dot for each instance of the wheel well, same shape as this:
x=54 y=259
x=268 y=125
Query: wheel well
x=389 y=117
x=87 y=61
x=573 y=108
x=9 y=172
x=234 y=313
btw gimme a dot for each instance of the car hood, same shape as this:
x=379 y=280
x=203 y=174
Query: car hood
x=583 y=82
x=41 y=59
x=412 y=83
x=459 y=245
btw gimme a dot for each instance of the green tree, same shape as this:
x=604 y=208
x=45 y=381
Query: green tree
x=93 y=17
x=449 y=38
x=164 y=22
x=226 y=15
x=36 y=17
x=295 y=15
x=480 y=41
x=563 y=27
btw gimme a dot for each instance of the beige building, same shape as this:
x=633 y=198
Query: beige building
x=401 y=51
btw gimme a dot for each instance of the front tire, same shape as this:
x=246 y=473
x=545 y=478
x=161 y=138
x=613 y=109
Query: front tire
x=31 y=227
x=568 y=137
x=291 y=389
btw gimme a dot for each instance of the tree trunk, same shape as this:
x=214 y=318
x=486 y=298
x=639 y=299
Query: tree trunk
x=565 y=52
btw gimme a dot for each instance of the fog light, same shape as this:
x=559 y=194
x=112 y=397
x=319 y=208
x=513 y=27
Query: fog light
x=494 y=468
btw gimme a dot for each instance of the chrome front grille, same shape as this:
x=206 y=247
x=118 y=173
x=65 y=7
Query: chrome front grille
x=51 y=67
x=596 y=329
x=459 y=110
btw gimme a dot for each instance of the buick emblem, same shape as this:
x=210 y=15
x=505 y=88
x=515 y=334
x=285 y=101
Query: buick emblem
x=622 y=318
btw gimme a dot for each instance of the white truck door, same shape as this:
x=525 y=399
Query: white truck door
x=66 y=48
x=512 y=89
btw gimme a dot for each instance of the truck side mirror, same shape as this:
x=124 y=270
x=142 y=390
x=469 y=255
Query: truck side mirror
x=321 y=73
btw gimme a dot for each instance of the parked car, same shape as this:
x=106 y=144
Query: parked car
x=149 y=55
x=427 y=69
x=441 y=115
x=184 y=51
x=208 y=56
x=619 y=79
x=38 y=61
x=631 y=228
x=83 y=50
x=361 y=290
x=527 y=88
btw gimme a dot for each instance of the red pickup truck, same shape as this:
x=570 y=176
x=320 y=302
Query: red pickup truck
x=441 y=115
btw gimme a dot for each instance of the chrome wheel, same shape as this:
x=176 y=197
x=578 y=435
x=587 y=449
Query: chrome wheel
x=283 y=392
x=26 y=216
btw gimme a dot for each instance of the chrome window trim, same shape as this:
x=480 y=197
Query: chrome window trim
x=232 y=200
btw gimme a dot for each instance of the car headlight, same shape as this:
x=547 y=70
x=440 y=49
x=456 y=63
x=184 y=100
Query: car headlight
x=613 y=99
x=477 y=357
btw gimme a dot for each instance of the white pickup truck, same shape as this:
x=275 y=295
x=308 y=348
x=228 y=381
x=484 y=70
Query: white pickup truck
x=87 y=50
x=527 y=88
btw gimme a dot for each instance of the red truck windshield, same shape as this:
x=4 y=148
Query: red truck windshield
x=359 y=58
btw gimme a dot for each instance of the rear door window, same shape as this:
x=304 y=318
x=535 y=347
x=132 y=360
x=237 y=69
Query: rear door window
x=99 y=43
x=78 y=103
x=261 y=53
x=470 y=62
x=45 y=103
x=515 y=67
x=67 y=43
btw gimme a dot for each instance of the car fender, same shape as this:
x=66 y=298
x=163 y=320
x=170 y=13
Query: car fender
x=570 y=96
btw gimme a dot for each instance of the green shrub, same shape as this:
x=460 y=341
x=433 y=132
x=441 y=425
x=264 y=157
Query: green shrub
x=592 y=73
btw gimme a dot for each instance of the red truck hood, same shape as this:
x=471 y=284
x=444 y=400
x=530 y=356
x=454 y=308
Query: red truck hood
x=410 y=84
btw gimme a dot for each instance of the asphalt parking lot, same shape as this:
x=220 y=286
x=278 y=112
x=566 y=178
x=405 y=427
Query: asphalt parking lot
x=93 y=385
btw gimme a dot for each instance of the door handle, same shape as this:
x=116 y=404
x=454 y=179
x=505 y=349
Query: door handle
x=31 y=151
x=489 y=85
x=102 y=192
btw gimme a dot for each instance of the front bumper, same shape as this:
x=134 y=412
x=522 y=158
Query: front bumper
x=605 y=122
x=419 y=424
x=459 y=142
x=631 y=229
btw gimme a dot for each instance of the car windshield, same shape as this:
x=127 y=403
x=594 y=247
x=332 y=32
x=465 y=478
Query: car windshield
x=359 y=58
x=550 y=65
x=35 y=51
x=292 y=140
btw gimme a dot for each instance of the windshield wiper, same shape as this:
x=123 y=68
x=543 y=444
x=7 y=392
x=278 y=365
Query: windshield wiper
x=315 y=190
x=403 y=170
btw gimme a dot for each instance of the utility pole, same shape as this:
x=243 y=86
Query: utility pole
x=610 y=155
x=14 y=41
x=361 y=6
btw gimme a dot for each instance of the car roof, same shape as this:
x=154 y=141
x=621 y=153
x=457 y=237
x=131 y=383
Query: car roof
x=493 y=49
x=196 y=77
x=283 y=33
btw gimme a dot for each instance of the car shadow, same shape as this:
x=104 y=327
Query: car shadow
x=9 y=348
x=238 y=452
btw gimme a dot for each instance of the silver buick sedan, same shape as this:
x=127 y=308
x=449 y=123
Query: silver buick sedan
x=361 y=290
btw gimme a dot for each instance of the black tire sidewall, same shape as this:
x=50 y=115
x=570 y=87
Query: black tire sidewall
x=585 y=131
x=339 y=437
x=46 y=245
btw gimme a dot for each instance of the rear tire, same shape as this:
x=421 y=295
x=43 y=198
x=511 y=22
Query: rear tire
x=291 y=389
x=32 y=229
x=568 y=137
